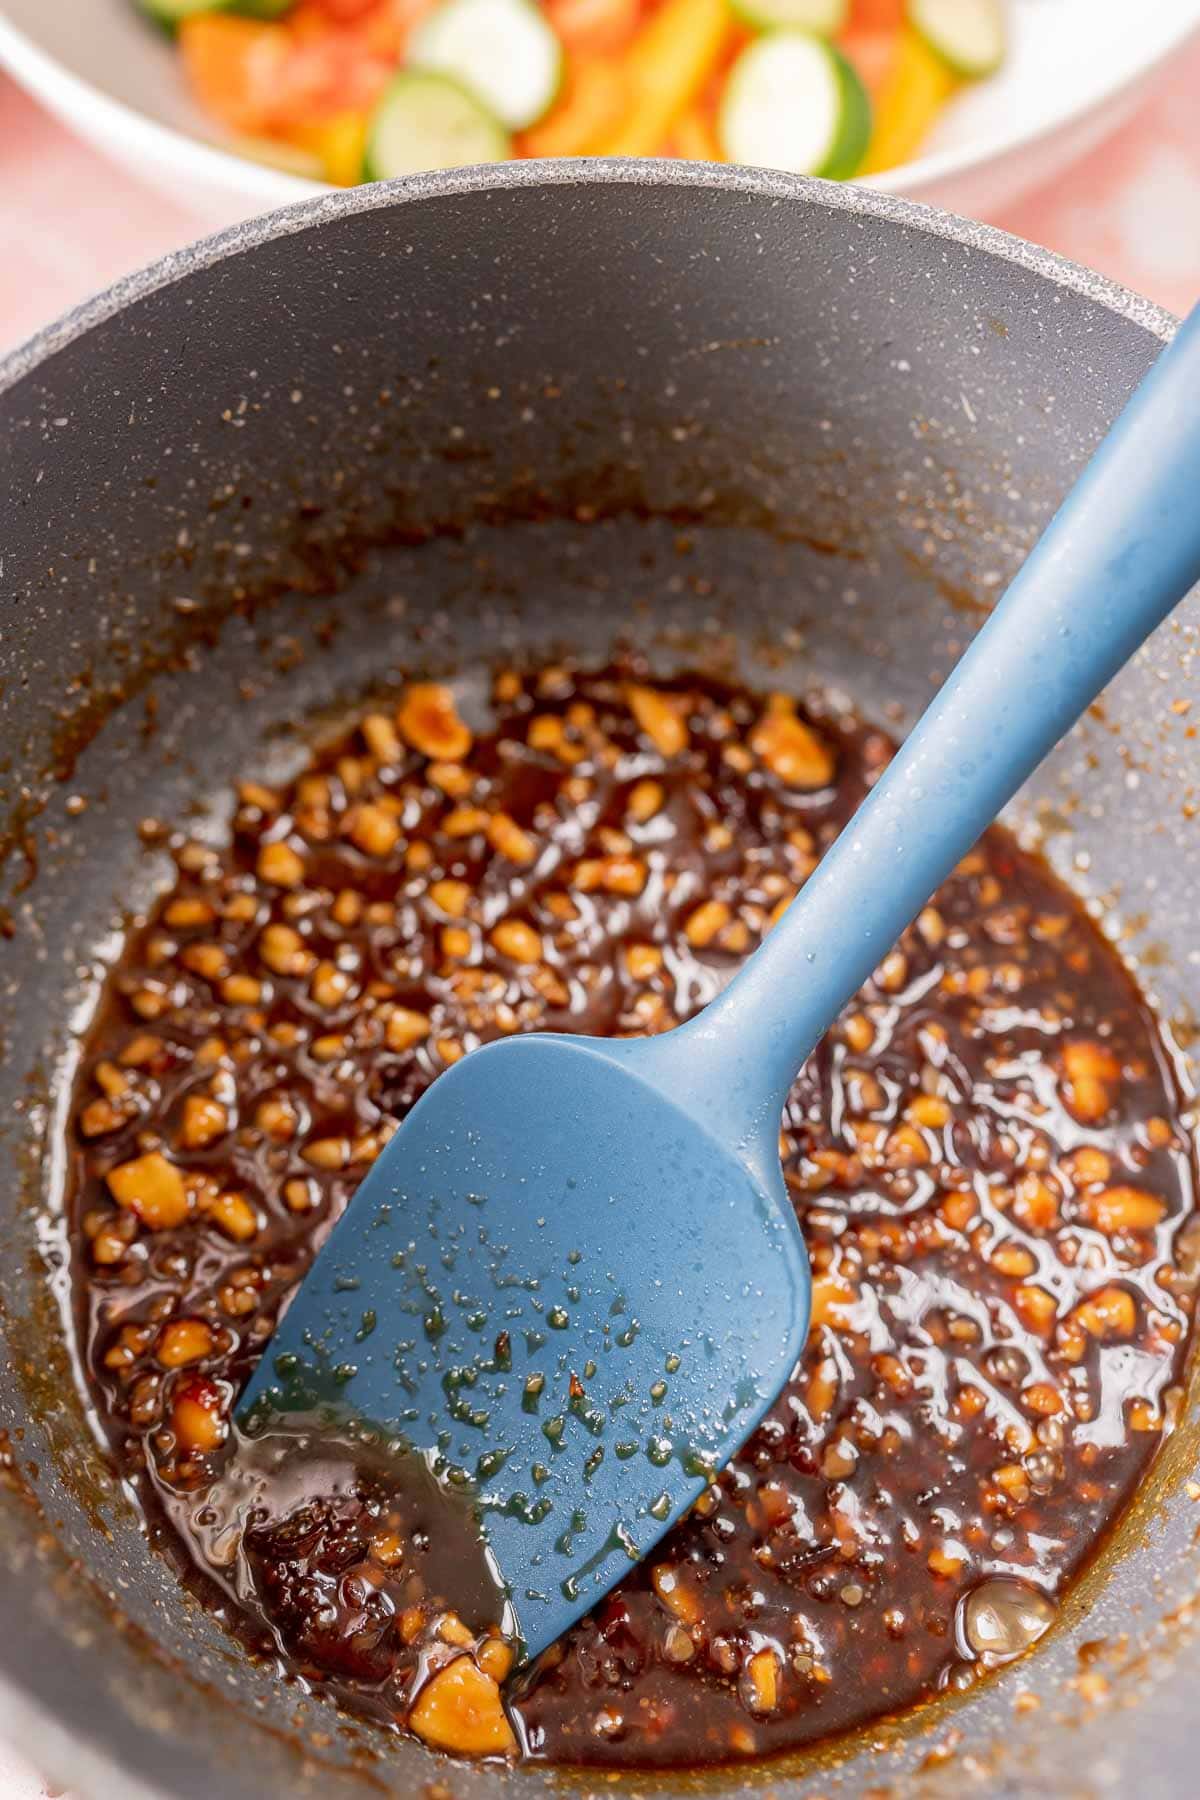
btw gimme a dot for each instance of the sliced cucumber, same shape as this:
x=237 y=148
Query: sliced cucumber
x=793 y=102
x=968 y=35
x=427 y=121
x=170 y=13
x=502 y=50
x=825 y=17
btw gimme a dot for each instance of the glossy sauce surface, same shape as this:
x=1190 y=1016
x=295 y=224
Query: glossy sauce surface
x=985 y=1156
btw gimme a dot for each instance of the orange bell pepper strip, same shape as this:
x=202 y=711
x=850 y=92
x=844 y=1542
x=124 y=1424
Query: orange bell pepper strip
x=595 y=100
x=694 y=137
x=235 y=67
x=916 y=91
x=668 y=64
x=593 y=27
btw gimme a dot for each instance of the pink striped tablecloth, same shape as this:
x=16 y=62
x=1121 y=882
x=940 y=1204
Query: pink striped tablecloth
x=70 y=224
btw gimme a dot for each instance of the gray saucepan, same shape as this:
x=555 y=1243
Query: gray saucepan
x=739 y=420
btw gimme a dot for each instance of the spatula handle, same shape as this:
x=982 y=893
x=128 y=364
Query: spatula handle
x=1123 y=550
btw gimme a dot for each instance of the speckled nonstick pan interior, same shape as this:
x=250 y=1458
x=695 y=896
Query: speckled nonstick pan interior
x=740 y=421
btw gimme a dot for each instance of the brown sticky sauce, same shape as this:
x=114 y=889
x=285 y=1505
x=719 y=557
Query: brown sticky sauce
x=328 y=1534
x=910 y=1459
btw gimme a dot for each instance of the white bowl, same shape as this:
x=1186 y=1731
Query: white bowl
x=1075 y=69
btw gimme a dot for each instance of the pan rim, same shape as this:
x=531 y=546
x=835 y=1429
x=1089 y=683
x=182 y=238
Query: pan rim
x=582 y=172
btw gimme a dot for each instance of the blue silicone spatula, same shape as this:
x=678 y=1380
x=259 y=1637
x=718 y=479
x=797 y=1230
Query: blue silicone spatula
x=573 y=1282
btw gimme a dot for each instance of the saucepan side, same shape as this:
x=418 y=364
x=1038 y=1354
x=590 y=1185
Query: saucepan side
x=740 y=421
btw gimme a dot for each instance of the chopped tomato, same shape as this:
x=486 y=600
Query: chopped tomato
x=381 y=27
x=871 y=40
x=872 y=54
x=644 y=77
x=387 y=29
x=259 y=77
x=593 y=26
x=876 y=15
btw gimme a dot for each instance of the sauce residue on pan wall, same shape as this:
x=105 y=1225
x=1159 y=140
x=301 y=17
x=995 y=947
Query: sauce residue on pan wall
x=985 y=1155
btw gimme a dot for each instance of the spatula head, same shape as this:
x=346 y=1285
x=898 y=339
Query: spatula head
x=566 y=1297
